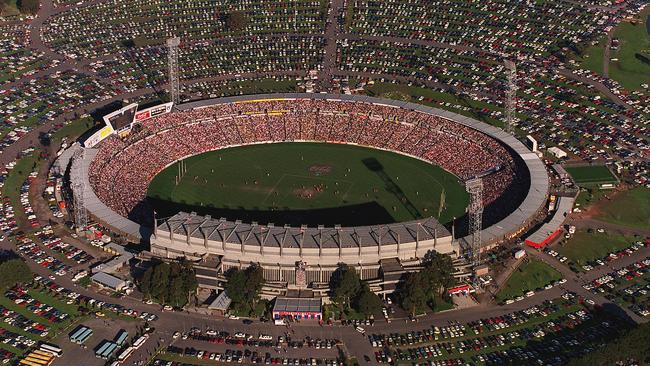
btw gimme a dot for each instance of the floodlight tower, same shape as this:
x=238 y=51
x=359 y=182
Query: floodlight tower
x=475 y=213
x=172 y=58
x=511 y=96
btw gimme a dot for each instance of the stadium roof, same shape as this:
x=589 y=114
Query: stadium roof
x=349 y=236
x=79 y=173
x=221 y=230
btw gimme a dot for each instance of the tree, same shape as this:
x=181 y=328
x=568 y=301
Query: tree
x=367 y=302
x=438 y=272
x=169 y=284
x=414 y=292
x=28 y=6
x=14 y=271
x=344 y=285
x=244 y=287
x=236 y=20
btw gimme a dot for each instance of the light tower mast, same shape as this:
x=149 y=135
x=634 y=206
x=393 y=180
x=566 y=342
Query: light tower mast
x=511 y=96
x=475 y=213
x=172 y=58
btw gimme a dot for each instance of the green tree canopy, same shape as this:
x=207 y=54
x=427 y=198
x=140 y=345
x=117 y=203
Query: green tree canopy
x=28 y=6
x=428 y=285
x=414 y=292
x=243 y=288
x=169 y=283
x=344 y=285
x=367 y=302
x=236 y=21
x=13 y=271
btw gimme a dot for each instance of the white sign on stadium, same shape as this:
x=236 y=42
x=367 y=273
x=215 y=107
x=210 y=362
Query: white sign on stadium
x=145 y=114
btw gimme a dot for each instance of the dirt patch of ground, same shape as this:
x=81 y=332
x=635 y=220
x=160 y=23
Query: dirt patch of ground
x=320 y=170
x=594 y=210
x=309 y=192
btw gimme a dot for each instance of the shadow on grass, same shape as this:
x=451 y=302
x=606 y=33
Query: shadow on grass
x=370 y=213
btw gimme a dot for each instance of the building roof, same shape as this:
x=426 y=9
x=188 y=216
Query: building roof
x=297 y=305
x=222 y=302
x=108 y=280
x=564 y=207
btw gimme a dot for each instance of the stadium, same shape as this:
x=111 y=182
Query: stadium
x=116 y=175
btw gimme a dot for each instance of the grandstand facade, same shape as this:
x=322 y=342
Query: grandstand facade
x=119 y=172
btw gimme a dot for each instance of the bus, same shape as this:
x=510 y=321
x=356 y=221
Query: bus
x=37 y=361
x=81 y=339
x=140 y=341
x=27 y=362
x=51 y=348
x=109 y=351
x=121 y=337
x=102 y=348
x=125 y=354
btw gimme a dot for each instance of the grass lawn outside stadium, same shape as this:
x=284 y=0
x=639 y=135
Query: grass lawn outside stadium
x=309 y=183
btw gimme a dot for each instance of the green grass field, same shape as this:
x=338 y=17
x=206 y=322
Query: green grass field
x=309 y=183
x=633 y=66
x=587 y=175
x=630 y=208
x=585 y=247
x=529 y=276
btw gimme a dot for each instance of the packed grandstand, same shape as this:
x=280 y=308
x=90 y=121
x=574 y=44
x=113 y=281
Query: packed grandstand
x=122 y=168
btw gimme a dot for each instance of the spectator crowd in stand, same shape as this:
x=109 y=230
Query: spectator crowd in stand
x=121 y=171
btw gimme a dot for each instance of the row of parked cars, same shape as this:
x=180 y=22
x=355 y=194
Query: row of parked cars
x=421 y=336
x=53 y=242
x=483 y=343
x=249 y=357
x=15 y=340
x=21 y=297
x=73 y=297
x=481 y=326
x=615 y=255
x=28 y=247
x=260 y=340
x=32 y=220
x=51 y=185
x=500 y=348
x=636 y=295
x=530 y=293
x=20 y=321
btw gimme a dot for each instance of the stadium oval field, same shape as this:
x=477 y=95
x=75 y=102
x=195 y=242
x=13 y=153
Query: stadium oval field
x=118 y=174
x=309 y=183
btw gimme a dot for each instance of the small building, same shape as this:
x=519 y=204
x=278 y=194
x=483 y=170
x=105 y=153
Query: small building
x=557 y=152
x=297 y=308
x=221 y=303
x=481 y=270
x=520 y=254
x=121 y=258
x=531 y=142
x=109 y=281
